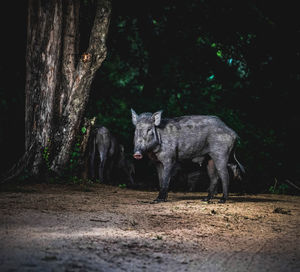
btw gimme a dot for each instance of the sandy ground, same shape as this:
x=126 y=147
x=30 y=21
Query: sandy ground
x=106 y=228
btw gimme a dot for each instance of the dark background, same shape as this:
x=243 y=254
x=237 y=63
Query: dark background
x=238 y=60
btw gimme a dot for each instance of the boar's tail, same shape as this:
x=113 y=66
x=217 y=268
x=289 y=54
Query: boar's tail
x=239 y=164
x=236 y=167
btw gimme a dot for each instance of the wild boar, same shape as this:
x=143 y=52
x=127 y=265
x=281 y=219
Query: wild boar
x=169 y=141
x=111 y=156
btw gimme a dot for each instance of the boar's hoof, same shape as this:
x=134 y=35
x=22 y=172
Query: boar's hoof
x=162 y=197
x=207 y=199
x=222 y=200
x=158 y=200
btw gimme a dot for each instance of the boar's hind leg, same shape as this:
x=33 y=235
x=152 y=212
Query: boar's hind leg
x=221 y=166
x=213 y=176
x=101 y=171
x=101 y=166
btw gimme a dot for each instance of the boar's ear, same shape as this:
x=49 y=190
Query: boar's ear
x=134 y=117
x=157 y=117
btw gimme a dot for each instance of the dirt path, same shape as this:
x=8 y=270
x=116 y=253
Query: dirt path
x=56 y=228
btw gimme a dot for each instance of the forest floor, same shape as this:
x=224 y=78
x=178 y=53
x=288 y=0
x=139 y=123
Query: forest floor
x=106 y=228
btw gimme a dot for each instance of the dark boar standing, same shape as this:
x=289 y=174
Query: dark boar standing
x=169 y=141
x=111 y=156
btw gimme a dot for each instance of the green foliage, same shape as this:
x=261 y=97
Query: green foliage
x=119 y=73
x=46 y=155
x=281 y=189
x=219 y=54
x=74 y=157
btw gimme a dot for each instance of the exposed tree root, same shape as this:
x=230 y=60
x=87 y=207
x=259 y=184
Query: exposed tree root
x=18 y=168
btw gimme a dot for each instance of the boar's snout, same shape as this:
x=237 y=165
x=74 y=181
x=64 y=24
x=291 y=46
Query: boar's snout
x=138 y=155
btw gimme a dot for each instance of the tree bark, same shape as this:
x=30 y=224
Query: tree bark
x=42 y=68
x=79 y=91
x=58 y=81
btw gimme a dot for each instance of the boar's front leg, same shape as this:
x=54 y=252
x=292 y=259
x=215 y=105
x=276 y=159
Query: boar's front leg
x=165 y=180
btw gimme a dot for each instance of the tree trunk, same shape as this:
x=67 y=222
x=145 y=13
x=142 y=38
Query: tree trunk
x=58 y=80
